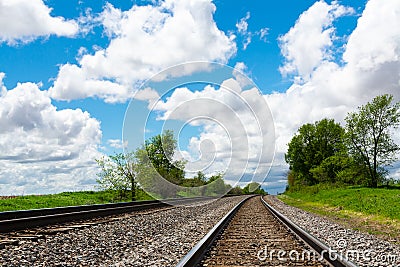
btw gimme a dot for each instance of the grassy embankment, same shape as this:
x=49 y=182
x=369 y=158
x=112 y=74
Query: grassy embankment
x=372 y=210
x=64 y=199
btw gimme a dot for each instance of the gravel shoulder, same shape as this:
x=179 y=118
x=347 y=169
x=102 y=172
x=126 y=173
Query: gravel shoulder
x=360 y=248
x=159 y=238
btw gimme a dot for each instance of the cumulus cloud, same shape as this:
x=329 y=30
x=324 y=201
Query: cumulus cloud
x=237 y=130
x=241 y=73
x=308 y=42
x=144 y=41
x=25 y=20
x=147 y=94
x=374 y=42
x=239 y=67
x=73 y=83
x=372 y=67
x=44 y=149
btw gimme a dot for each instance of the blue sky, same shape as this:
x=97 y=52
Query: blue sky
x=68 y=70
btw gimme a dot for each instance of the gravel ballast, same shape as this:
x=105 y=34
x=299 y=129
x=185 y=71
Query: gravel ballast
x=159 y=238
x=360 y=248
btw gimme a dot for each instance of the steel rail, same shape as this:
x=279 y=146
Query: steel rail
x=327 y=253
x=7 y=215
x=196 y=254
x=26 y=219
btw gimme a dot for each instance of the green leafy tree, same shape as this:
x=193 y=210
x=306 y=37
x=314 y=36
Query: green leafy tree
x=146 y=173
x=368 y=134
x=339 y=168
x=313 y=144
x=160 y=151
x=199 y=181
x=156 y=167
x=236 y=191
x=216 y=185
x=353 y=172
x=118 y=172
x=253 y=188
x=201 y=178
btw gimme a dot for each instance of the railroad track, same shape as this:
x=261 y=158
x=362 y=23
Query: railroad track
x=254 y=234
x=26 y=219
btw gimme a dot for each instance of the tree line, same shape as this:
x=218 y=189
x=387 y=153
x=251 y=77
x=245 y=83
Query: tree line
x=357 y=154
x=152 y=168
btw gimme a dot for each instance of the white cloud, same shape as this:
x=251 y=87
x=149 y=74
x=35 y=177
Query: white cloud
x=147 y=94
x=242 y=30
x=308 y=42
x=372 y=67
x=144 y=41
x=237 y=130
x=263 y=34
x=44 y=149
x=117 y=143
x=112 y=19
x=240 y=66
x=364 y=50
x=242 y=24
x=241 y=74
x=25 y=20
x=72 y=83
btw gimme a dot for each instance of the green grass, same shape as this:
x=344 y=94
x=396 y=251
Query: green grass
x=383 y=202
x=370 y=210
x=64 y=199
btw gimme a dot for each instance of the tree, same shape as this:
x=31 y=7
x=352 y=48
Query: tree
x=156 y=167
x=253 y=188
x=199 y=181
x=368 y=134
x=338 y=168
x=313 y=144
x=146 y=174
x=236 y=191
x=201 y=178
x=216 y=185
x=118 y=172
x=160 y=150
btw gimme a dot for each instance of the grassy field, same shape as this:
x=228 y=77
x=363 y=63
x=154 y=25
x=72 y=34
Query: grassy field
x=373 y=210
x=372 y=201
x=63 y=199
